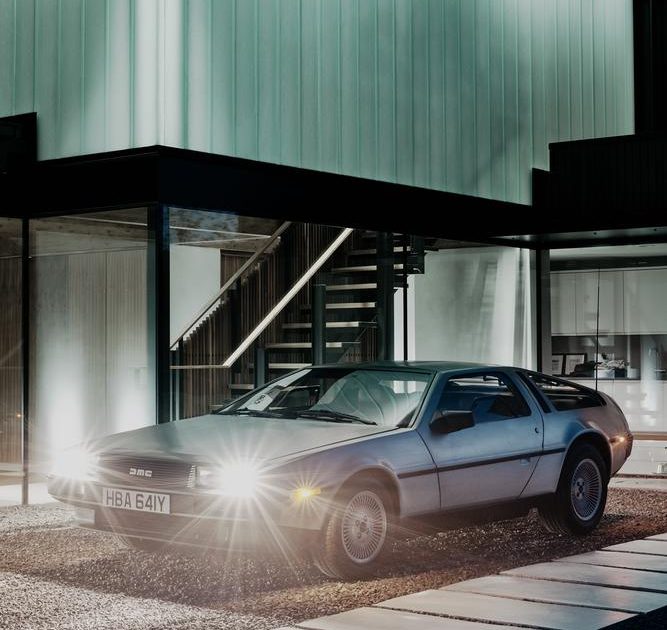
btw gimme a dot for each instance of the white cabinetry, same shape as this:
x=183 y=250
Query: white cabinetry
x=574 y=302
x=610 y=298
x=645 y=301
x=563 y=304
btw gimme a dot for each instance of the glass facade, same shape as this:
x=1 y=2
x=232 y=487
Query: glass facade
x=243 y=308
x=244 y=285
x=91 y=372
x=475 y=303
x=11 y=381
x=610 y=332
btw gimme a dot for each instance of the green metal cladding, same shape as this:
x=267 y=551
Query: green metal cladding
x=459 y=95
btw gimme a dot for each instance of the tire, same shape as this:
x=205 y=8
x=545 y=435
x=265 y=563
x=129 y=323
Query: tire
x=580 y=498
x=355 y=538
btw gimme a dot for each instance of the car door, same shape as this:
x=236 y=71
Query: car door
x=493 y=460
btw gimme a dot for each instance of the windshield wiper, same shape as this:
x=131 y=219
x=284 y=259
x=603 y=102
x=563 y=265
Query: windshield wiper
x=333 y=416
x=260 y=413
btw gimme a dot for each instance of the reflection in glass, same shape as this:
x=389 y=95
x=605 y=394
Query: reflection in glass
x=10 y=351
x=608 y=308
x=90 y=359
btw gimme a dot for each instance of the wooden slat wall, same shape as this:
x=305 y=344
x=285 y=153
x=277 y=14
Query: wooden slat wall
x=89 y=354
x=220 y=333
x=10 y=361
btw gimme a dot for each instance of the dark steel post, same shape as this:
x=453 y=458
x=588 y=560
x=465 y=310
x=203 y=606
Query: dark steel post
x=158 y=307
x=650 y=64
x=260 y=366
x=405 y=297
x=385 y=296
x=318 y=325
x=175 y=378
x=543 y=309
x=25 y=358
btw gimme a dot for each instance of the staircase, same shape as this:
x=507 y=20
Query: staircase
x=350 y=310
x=350 y=320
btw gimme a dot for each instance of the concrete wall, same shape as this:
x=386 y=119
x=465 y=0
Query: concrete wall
x=475 y=304
x=194 y=278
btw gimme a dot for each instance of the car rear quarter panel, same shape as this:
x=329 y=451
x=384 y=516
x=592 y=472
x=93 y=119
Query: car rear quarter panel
x=563 y=428
x=399 y=457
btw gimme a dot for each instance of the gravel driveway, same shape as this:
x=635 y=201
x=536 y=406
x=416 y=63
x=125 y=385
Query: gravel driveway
x=53 y=575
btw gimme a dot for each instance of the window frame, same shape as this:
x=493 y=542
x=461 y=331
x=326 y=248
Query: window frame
x=545 y=402
x=502 y=376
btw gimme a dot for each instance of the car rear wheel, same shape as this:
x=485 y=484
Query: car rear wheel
x=580 y=499
x=355 y=538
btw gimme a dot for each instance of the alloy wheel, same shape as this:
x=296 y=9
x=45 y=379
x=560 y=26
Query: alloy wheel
x=364 y=527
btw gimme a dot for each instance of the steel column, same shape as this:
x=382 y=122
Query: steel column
x=385 y=295
x=261 y=366
x=543 y=309
x=158 y=308
x=25 y=358
x=318 y=325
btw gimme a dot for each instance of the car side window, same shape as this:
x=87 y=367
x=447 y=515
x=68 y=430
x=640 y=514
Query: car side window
x=564 y=396
x=491 y=397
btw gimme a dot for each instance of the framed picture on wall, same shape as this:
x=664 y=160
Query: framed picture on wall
x=557 y=364
x=572 y=360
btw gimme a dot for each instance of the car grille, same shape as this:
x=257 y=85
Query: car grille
x=146 y=471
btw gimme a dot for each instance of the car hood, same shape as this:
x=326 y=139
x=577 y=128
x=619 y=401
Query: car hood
x=220 y=437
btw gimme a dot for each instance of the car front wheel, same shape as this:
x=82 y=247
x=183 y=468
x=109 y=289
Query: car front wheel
x=580 y=499
x=355 y=537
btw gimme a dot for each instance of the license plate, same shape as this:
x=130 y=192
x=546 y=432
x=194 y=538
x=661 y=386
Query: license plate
x=135 y=500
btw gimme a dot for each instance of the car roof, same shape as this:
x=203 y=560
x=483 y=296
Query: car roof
x=430 y=366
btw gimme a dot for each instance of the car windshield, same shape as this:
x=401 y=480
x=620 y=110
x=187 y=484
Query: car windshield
x=367 y=396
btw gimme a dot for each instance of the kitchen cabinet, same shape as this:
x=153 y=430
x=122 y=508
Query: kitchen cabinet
x=644 y=403
x=611 y=315
x=563 y=304
x=645 y=301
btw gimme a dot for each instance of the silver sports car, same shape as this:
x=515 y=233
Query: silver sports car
x=337 y=460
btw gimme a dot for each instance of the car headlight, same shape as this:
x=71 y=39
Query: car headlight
x=74 y=463
x=238 y=479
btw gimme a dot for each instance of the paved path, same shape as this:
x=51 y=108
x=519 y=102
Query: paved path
x=620 y=586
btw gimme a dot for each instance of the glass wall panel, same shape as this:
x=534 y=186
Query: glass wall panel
x=10 y=361
x=91 y=372
x=473 y=303
x=242 y=285
x=239 y=284
x=609 y=331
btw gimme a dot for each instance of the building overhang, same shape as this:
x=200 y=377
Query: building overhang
x=192 y=179
x=610 y=190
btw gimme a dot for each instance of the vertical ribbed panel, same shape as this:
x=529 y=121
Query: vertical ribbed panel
x=460 y=95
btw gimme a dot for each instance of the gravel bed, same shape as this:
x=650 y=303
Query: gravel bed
x=54 y=575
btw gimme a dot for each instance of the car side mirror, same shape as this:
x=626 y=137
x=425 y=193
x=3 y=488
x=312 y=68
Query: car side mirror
x=451 y=421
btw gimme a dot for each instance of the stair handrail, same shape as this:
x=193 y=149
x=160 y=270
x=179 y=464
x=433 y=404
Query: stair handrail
x=231 y=282
x=284 y=301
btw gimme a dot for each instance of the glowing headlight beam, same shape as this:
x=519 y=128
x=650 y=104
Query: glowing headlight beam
x=239 y=479
x=74 y=463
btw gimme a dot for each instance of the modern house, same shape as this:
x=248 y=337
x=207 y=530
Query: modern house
x=198 y=195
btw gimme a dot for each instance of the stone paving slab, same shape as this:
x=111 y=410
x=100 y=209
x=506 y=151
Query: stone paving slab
x=384 y=619
x=593 y=574
x=563 y=593
x=642 y=562
x=507 y=611
x=657 y=537
x=652 y=547
x=591 y=591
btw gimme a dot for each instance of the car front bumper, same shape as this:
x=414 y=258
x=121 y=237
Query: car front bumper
x=195 y=519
